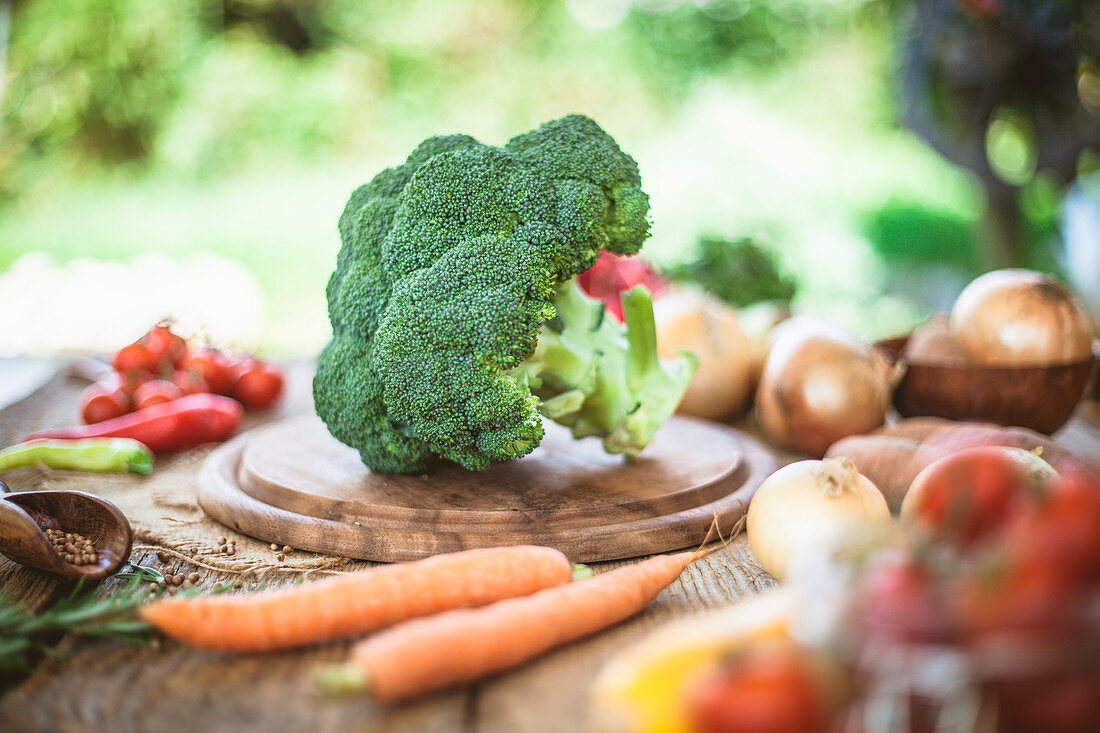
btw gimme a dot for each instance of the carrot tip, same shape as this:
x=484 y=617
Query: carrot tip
x=342 y=680
x=581 y=571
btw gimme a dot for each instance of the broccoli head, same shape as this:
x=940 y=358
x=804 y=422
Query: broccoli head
x=455 y=320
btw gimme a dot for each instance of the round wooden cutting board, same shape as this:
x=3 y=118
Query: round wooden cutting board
x=292 y=483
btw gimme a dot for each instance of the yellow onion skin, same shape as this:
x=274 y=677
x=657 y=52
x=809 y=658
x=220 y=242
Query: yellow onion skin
x=807 y=507
x=820 y=384
x=1021 y=318
x=933 y=343
x=691 y=321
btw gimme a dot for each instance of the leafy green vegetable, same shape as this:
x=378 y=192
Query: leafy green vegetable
x=454 y=267
x=740 y=272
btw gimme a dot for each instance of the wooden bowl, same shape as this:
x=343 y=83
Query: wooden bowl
x=1042 y=398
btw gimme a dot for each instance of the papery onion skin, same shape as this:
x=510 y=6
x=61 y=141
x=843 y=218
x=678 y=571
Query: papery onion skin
x=820 y=384
x=934 y=343
x=807 y=505
x=757 y=321
x=691 y=321
x=1021 y=318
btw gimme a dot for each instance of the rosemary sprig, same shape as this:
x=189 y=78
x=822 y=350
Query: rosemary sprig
x=24 y=635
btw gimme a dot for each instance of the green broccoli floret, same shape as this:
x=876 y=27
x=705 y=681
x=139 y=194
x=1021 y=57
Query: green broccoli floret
x=739 y=271
x=455 y=320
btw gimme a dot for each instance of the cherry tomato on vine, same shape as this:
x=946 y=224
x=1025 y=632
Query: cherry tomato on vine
x=103 y=401
x=135 y=358
x=215 y=368
x=259 y=385
x=155 y=392
x=169 y=349
x=190 y=383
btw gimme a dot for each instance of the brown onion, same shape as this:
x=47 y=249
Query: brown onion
x=933 y=343
x=1021 y=318
x=757 y=321
x=691 y=321
x=820 y=384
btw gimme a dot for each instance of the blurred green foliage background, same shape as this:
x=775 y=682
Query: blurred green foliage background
x=239 y=127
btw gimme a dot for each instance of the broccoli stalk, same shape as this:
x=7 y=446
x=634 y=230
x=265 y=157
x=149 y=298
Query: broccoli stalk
x=455 y=318
x=596 y=377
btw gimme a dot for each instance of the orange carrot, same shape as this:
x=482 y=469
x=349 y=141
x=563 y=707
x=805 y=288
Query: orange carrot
x=460 y=646
x=356 y=603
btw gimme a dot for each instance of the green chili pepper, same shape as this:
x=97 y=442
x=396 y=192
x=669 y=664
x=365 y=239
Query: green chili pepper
x=99 y=455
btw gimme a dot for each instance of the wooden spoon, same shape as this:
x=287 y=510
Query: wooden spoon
x=23 y=536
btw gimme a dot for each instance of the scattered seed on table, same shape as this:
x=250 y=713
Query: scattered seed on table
x=280 y=557
x=274 y=546
x=223 y=548
x=194 y=551
x=186 y=584
x=152 y=587
x=288 y=548
x=162 y=556
x=173 y=590
x=193 y=577
x=221 y=540
x=231 y=551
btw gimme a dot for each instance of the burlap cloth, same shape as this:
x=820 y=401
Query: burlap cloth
x=163 y=508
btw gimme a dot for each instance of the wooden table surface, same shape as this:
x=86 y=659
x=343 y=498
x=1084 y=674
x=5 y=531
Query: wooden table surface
x=96 y=685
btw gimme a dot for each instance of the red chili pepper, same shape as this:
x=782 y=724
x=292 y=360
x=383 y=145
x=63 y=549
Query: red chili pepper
x=170 y=426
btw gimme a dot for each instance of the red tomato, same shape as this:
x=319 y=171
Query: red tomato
x=213 y=366
x=155 y=392
x=103 y=401
x=1024 y=599
x=136 y=358
x=129 y=383
x=259 y=385
x=168 y=348
x=971 y=494
x=1063 y=531
x=1066 y=702
x=898 y=598
x=772 y=688
x=1045 y=567
x=190 y=383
